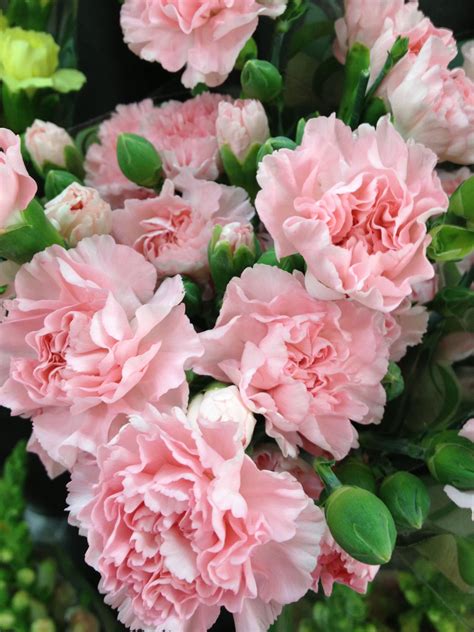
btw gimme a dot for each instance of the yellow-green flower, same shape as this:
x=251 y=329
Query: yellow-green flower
x=29 y=59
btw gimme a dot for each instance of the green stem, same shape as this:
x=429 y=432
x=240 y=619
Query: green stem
x=369 y=441
x=325 y=473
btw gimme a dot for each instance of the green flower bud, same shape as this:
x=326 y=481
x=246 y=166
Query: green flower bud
x=407 y=498
x=361 y=524
x=139 y=160
x=465 y=548
x=25 y=577
x=21 y=601
x=7 y=620
x=249 y=51
x=450 y=459
x=6 y=556
x=43 y=625
x=46 y=578
x=274 y=144
x=356 y=473
x=393 y=382
x=261 y=80
x=192 y=297
x=57 y=181
x=38 y=610
x=232 y=248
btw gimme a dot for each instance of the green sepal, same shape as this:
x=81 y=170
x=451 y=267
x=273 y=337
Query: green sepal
x=357 y=73
x=288 y=264
x=32 y=235
x=56 y=181
x=407 y=498
x=450 y=243
x=461 y=202
x=274 y=144
x=242 y=174
x=74 y=161
x=393 y=382
x=192 y=298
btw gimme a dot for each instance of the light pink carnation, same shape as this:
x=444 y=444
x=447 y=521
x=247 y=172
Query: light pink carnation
x=221 y=404
x=185 y=136
x=308 y=366
x=79 y=212
x=46 y=143
x=451 y=180
x=16 y=186
x=468 y=54
x=173 y=231
x=335 y=566
x=463 y=499
x=87 y=340
x=433 y=104
x=269 y=457
x=242 y=125
x=180 y=521
x=102 y=169
x=425 y=291
x=406 y=327
x=355 y=206
x=378 y=24
x=205 y=36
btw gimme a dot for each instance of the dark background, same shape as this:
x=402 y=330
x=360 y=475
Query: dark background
x=115 y=75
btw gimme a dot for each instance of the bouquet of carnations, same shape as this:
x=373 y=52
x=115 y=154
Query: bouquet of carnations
x=244 y=326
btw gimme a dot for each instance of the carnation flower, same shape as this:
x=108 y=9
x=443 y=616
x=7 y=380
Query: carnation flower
x=18 y=188
x=102 y=169
x=269 y=457
x=451 y=180
x=378 y=24
x=335 y=566
x=220 y=404
x=46 y=143
x=355 y=206
x=184 y=134
x=433 y=104
x=242 y=125
x=86 y=341
x=204 y=36
x=173 y=231
x=463 y=499
x=308 y=366
x=79 y=212
x=180 y=522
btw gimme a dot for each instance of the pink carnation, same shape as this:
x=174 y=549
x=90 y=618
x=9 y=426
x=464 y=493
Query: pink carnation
x=269 y=457
x=425 y=291
x=451 y=180
x=185 y=136
x=180 y=522
x=308 y=366
x=16 y=186
x=204 y=36
x=433 y=104
x=463 y=499
x=378 y=24
x=102 y=169
x=46 y=143
x=173 y=231
x=242 y=125
x=355 y=206
x=79 y=212
x=87 y=340
x=406 y=327
x=337 y=566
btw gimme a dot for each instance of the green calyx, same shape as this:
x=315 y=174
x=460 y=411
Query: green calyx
x=407 y=498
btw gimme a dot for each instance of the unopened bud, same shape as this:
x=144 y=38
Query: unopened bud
x=407 y=498
x=261 y=80
x=355 y=472
x=139 y=160
x=232 y=248
x=361 y=524
x=57 y=181
x=450 y=459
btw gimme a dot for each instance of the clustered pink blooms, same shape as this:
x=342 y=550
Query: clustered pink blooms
x=355 y=206
x=184 y=134
x=180 y=521
x=202 y=36
x=308 y=366
x=87 y=341
x=173 y=231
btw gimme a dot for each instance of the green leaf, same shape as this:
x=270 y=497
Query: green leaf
x=456 y=304
x=450 y=243
x=434 y=398
x=461 y=202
